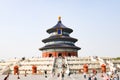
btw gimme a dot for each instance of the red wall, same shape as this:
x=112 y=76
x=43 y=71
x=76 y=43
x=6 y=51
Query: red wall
x=55 y=54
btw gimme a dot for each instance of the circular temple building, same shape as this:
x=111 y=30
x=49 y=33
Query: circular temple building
x=59 y=43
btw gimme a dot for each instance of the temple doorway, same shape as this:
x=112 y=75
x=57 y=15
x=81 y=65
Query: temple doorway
x=50 y=55
x=59 y=54
x=69 y=54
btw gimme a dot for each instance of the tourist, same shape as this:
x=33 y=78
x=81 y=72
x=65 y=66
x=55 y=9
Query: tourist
x=114 y=78
x=53 y=74
x=18 y=77
x=58 y=74
x=6 y=78
x=89 y=78
x=25 y=73
x=62 y=75
x=102 y=75
x=115 y=71
x=94 y=71
x=95 y=78
x=84 y=75
x=69 y=73
x=117 y=77
x=45 y=73
x=111 y=77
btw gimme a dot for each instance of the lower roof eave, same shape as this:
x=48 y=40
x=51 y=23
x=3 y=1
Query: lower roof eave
x=59 y=48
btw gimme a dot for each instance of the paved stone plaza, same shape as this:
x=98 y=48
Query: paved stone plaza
x=49 y=77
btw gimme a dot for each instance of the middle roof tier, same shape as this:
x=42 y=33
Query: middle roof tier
x=59 y=38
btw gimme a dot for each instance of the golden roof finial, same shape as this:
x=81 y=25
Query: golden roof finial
x=59 y=18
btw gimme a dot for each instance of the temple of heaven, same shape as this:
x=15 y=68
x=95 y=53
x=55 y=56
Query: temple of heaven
x=59 y=56
x=59 y=43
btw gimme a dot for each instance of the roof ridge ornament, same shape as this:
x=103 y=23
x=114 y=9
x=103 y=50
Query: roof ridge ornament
x=59 y=18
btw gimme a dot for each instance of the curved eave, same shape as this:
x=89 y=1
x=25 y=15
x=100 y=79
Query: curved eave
x=59 y=46
x=59 y=38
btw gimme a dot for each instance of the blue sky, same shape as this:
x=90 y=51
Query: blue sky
x=23 y=24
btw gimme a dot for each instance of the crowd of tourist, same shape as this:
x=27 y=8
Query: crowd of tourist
x=103 y=76
x=91 y=76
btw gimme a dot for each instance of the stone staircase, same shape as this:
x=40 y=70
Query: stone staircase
x=108 y=63
x=59 y=65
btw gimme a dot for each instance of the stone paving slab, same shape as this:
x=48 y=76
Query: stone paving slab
x=49 y=77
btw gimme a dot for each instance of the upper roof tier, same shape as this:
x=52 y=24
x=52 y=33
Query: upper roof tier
x=59 y=25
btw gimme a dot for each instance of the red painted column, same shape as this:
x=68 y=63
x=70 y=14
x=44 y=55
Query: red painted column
x=55 y=54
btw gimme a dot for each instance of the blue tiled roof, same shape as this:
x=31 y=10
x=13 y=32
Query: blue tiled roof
x=59 y=25
x=57 y=46
x=59 y=38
